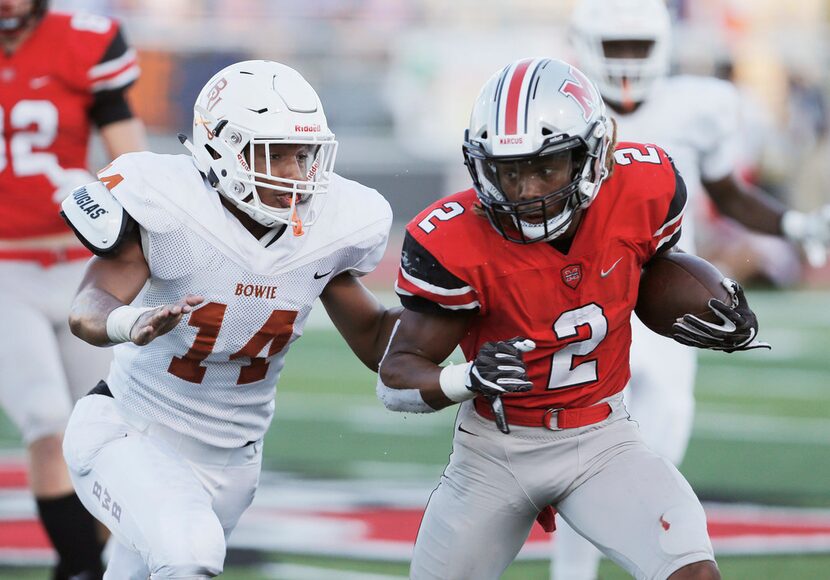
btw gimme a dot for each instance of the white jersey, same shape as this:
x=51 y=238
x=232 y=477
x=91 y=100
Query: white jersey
x=696 y=120
x=213 y=377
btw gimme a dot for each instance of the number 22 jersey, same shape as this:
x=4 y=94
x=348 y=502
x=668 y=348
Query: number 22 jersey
x=48 y=91
x=577 y=305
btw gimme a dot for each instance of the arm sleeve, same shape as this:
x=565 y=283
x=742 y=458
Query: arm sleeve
x=109 y=107
x=425 y=285
x=402 y=400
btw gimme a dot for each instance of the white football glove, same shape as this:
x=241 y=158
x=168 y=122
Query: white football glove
x=811 y=231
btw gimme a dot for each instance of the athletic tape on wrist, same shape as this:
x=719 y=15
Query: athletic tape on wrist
x=453 y=381
x=121 y=321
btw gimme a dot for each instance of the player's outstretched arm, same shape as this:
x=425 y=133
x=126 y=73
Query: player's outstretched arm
x=421 y=341
x=362 y=320
x=111 y=283
x=755 y=209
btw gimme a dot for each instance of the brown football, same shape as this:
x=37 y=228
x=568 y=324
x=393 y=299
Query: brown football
x=675 y=284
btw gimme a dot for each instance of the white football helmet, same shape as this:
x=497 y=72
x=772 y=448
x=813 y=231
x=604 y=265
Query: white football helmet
x=262 y=103
x=595 y=22
x=531 y=109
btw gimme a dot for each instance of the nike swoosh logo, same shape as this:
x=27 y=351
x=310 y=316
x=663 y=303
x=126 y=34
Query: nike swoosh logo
x=318 y=275
x=463 y=430
x=604 y=273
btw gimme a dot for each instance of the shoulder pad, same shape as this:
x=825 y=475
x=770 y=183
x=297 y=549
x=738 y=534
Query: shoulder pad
x=97 y=218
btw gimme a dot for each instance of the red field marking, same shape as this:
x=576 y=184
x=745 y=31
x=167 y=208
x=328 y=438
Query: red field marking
x=13 y=476
x=401 y=525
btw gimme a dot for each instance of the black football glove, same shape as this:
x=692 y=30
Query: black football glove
x=498 y=368
x=737 y=330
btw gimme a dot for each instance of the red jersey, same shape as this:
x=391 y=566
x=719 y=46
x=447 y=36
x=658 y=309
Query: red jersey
x=47 y=88
x=577 y=305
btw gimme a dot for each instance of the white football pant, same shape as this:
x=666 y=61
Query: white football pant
x=169 y=500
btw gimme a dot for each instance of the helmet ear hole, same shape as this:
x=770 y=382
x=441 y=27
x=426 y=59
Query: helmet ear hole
x=213 y=152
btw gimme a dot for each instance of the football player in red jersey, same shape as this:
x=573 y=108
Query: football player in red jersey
x=547 y=247
x=59 y=74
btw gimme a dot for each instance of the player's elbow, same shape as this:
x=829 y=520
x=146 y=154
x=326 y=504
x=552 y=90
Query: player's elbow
x=389 y=375
x=80 y=326
x=76 y=324
x=402 y=400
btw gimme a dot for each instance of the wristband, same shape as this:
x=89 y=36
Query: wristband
x=453 y=381
x=120 y=322
x=794 y=225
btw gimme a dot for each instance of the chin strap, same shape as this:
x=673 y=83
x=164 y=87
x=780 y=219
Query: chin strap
x=296 y=223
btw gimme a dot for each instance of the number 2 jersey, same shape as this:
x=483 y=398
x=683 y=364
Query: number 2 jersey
x=576 y=306
x=51 y=88
x=213 y=377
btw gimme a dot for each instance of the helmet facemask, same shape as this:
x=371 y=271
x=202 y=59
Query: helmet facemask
x=630 y=68
x=548 y=215
x=244 y=180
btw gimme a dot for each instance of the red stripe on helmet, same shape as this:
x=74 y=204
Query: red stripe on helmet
x=511 y=114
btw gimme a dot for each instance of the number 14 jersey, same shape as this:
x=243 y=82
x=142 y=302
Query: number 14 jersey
x=213 y=377
x=577 y=305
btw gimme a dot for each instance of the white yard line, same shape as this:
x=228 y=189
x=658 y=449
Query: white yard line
x=714 y=422
x=305 y=572
x=778 y=382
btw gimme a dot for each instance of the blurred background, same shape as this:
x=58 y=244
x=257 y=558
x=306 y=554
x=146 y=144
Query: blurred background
x=346 y=480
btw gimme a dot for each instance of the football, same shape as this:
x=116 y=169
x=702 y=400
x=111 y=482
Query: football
x=675 y=284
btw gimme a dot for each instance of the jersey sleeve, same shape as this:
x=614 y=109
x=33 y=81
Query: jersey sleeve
x=424 y=284
x=374 y=245
x=126 y=179
x=668 y=230
x=104 y=62
x=722 y=115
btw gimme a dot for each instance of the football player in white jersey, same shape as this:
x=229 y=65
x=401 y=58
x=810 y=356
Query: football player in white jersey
x=624 y=46
x=208 y=266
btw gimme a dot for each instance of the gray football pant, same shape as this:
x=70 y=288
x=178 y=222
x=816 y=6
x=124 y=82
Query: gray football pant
x=631 y=503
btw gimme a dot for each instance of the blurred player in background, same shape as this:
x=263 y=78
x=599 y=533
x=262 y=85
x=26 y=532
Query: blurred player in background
x=252 y=227
x=548 y=245
x=59 y=73
x=624 y=46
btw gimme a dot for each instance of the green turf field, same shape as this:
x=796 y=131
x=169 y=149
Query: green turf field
x=762 y=433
